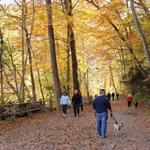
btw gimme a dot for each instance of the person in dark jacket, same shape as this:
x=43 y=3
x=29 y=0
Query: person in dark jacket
x=101 y=106
x=117 y=96
x=109 y=96
x=76 y=102
x=113 y=96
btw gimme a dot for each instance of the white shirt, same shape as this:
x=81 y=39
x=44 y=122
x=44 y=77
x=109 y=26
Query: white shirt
x=64 y=100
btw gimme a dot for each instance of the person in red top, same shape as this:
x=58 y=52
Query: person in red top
x=129 y=99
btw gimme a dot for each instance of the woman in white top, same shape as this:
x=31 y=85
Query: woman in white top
x=64 y=100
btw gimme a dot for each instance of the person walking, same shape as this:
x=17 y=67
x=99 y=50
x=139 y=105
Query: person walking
x=129 y=99
x=64 y=102
x=117 y=96
x=76 y=102
x=101 y=105
x=113 y=96
x=109 y=96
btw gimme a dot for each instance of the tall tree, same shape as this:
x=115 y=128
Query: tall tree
x=71 y=42
x=1 y=67
x=28 y=35
x=142 y=36
x=22 y=88
x=52 y=49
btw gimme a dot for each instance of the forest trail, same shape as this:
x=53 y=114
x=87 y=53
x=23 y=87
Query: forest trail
x=52 y=131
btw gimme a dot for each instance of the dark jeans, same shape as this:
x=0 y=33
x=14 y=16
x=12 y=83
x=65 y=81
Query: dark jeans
x=64 y=109
x=113 y=98
x=136 y=104
x=129 y=103
x=76 y=109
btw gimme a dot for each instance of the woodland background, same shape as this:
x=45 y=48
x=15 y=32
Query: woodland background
x=47 y=47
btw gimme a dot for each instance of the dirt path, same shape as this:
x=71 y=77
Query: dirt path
x=52 y=131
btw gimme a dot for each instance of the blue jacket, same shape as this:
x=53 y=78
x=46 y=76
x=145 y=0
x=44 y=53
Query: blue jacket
x=101 y=104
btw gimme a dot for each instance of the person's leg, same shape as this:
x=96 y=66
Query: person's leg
x=78 y=110
x=128 y=104
x=136 y=104
x=65 y=109
x=74 y=110
x=103 y=123
x=98 y=124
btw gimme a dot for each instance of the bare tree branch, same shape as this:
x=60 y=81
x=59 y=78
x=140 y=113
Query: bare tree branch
x=8 y=14
x=75 y=4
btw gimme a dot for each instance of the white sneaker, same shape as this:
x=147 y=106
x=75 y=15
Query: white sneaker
x=64 y=115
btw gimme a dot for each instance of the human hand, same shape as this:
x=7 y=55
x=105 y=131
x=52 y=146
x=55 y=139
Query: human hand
x=111 y=114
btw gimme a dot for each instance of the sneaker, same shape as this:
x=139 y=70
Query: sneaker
x=104 y=137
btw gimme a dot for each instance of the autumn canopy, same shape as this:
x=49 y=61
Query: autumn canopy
x=47 y=47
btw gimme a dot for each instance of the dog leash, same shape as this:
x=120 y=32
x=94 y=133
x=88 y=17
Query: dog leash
x=114 y=119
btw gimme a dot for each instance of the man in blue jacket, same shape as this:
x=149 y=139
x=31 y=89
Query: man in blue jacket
x=101 y=106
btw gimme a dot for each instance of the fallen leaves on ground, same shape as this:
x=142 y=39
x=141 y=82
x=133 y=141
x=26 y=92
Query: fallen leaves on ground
x=53 y=131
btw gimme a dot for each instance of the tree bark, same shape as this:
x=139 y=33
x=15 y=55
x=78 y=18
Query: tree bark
x=39 y=78
x=74 y=57
x=22 y=88
x=68 y=70
x=87 y=84
x=142 y=36
x=52 y=50
x=112 y=77
x=31 y=68
x=1 y=68
x=71 y=43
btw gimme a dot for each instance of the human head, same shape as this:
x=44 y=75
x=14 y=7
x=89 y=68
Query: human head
x=65 y=93
x=129 y=94
x=102 y=92
x=76 y=91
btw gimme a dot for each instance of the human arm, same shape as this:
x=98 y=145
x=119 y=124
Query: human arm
x=109 y=108
x=61 y=99
x=72 y=100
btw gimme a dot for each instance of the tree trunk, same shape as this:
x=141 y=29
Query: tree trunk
x=31 y=68
x=39 y=78
x=15 y=74
x=68 y=70
x=52 y=50
x=28 y=35
x=112 y=78
x=22 y=88
x=71 y=43
x=87 y=84
x=142 y=36
x=74 y=57
x=1 y=68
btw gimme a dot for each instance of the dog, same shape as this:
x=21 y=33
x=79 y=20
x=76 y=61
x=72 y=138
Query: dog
x=117 y=128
